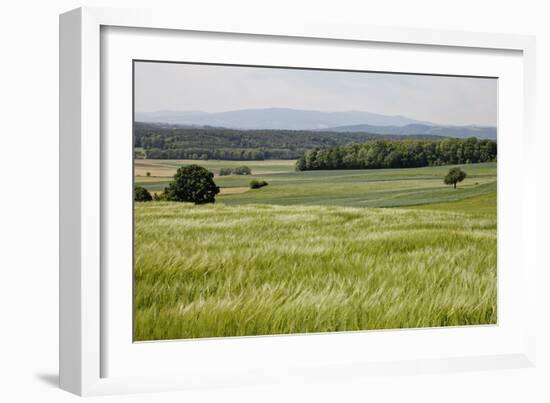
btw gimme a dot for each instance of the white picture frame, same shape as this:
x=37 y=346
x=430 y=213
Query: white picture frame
x=84 y=310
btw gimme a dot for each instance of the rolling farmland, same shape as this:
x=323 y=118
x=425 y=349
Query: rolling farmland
x=315 y=251
x=353 y=188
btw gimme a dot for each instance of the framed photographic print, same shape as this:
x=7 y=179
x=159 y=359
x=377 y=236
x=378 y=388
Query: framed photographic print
x=250 y=203
x=250 y=180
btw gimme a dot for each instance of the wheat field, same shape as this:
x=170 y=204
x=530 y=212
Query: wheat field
x=258 y=269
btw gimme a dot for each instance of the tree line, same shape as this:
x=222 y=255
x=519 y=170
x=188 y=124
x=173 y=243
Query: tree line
x=399 y=154
x=235 y=154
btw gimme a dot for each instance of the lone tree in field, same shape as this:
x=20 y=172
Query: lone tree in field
x=141 y=194
x=454 y=176
x=192 y=183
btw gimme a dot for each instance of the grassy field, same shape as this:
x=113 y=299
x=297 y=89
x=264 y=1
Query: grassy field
x=353 y=188
x=304 y=254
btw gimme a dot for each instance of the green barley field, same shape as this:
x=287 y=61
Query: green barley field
x=316 y=251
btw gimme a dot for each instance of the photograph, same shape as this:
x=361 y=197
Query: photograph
x=276 y=200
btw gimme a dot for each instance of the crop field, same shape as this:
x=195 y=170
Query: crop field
x=353 y=188
x=315 y=251
x=167 y=168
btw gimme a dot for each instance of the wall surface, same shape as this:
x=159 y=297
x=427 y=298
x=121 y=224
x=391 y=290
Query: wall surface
x=29 y=213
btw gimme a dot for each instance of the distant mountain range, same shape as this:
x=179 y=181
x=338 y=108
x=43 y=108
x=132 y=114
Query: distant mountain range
x=295 y=119
x=274 y=118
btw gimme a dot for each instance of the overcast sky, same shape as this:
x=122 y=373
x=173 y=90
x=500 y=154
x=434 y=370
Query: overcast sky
x=442 y=100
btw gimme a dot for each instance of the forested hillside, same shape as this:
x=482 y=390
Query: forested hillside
x=172 y=142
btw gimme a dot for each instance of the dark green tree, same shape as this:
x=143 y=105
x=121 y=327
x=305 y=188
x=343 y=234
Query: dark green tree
x=192 y=183
x=300 y=164
x=141 y=194
x=454 y=176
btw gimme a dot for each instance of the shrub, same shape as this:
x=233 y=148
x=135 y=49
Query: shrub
x=192 y=183
x=148 y=174
x=141 y=194
x=255 y=184
x=242 y=170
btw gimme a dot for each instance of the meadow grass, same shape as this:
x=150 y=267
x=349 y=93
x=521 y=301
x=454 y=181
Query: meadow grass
x=364 y=188
x=257 y=269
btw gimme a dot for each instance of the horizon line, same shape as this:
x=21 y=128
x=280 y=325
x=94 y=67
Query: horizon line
x=419 y=121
